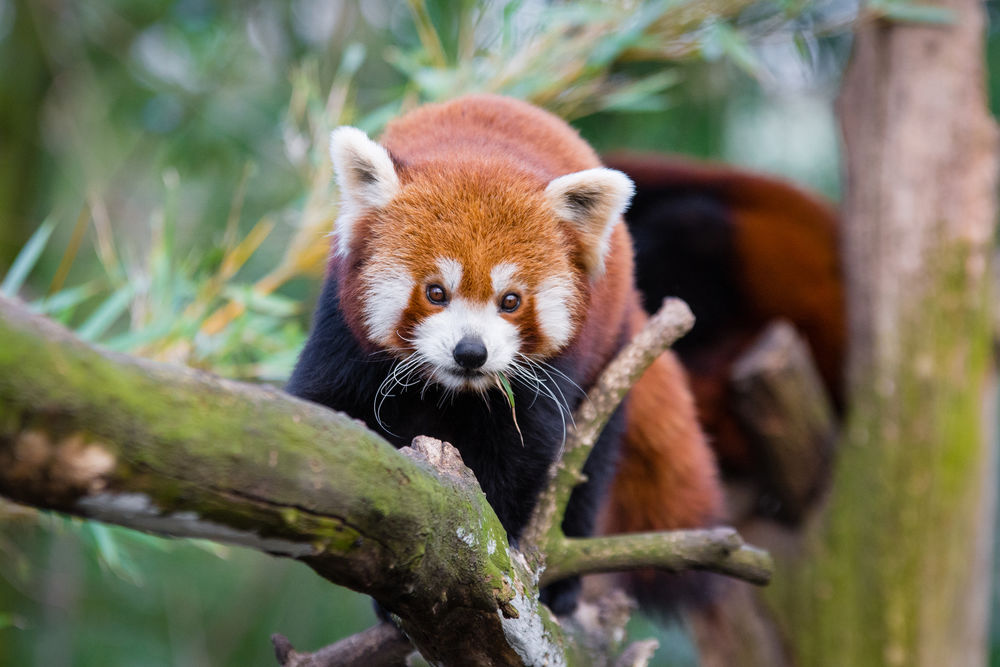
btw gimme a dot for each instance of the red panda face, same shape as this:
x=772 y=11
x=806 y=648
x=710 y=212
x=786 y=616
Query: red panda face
x=469 y=270
x=468 y=275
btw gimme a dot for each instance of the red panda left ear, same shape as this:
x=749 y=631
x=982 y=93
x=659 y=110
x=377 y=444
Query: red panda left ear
x=592 y=201
x=366 y=178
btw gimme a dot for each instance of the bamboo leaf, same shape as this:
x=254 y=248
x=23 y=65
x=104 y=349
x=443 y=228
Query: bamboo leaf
x=508 y=391
x=267 y=304
x=351 y=60
x=26 y=259
x=132 y=340
x=106 y=314
x=631 y=30
x=723 y=40
x=111 y=556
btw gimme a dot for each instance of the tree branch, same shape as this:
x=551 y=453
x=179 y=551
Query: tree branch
x=672 y=321
x=720 y=550
x=178 y=452
x=780 y=400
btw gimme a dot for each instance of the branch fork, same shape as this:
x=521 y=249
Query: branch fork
x=184 y=453
x=555 y=556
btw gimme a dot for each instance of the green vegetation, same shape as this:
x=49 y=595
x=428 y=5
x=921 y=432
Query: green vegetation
x=176 y=151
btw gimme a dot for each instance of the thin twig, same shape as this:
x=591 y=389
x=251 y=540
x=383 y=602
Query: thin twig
x=672 y=321
x=719 y=550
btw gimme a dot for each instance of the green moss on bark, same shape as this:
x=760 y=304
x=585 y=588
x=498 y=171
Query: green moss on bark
x=189 y=454
x=889 y=566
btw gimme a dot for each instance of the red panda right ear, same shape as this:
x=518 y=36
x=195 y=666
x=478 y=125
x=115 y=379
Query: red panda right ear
x=366 y=178
x=593 y=201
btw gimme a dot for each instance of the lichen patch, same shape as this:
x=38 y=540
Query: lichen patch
x=30 y=451
x=82 y=465
x=527 y=635
x=466 y=536
x=65 y=466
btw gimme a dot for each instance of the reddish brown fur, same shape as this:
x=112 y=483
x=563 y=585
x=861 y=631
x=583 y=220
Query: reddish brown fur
x=533 y=141
x=445 y=172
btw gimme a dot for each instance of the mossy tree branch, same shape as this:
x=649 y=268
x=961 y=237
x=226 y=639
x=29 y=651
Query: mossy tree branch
x=721 y=550
x=179 y=452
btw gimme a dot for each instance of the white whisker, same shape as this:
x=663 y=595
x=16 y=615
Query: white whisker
x=528 y=378
x=401 y=375
x=548 y=369
x=558 y=372
x=527 y=370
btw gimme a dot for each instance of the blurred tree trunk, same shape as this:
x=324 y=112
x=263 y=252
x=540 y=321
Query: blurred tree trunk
x=896 y=570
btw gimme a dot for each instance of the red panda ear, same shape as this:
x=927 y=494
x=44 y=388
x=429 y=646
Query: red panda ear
x=592 y=201
x=366 y=178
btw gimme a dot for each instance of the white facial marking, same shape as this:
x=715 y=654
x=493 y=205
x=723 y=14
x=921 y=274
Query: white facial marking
x=436 y=337
x=501 y=275
x=552 y=310
x=388 y=292
x=451 y=273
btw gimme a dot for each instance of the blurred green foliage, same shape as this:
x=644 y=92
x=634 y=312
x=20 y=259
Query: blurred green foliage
x=75 y=593
x=176 y=151
x=186 y=139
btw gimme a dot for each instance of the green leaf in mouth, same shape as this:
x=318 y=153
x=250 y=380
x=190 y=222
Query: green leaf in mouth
x=504 y=385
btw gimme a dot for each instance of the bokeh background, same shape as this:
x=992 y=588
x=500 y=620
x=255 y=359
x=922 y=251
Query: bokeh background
x=164 y=191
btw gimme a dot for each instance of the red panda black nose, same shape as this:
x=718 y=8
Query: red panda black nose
x=470 y=353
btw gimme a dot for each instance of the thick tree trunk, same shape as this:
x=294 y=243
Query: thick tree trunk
x=896 y=572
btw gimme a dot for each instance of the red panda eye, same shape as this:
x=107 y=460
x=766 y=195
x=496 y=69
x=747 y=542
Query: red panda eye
x=510 y=302
x=437 y=295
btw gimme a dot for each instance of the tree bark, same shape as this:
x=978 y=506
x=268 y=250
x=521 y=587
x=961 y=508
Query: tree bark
x=173 y=451
x=781 y=402
x=896 y=572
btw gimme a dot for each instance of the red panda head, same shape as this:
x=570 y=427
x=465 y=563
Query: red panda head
x=468 y=268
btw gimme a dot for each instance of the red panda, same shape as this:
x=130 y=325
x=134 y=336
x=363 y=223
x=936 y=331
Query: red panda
x=483 y=238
